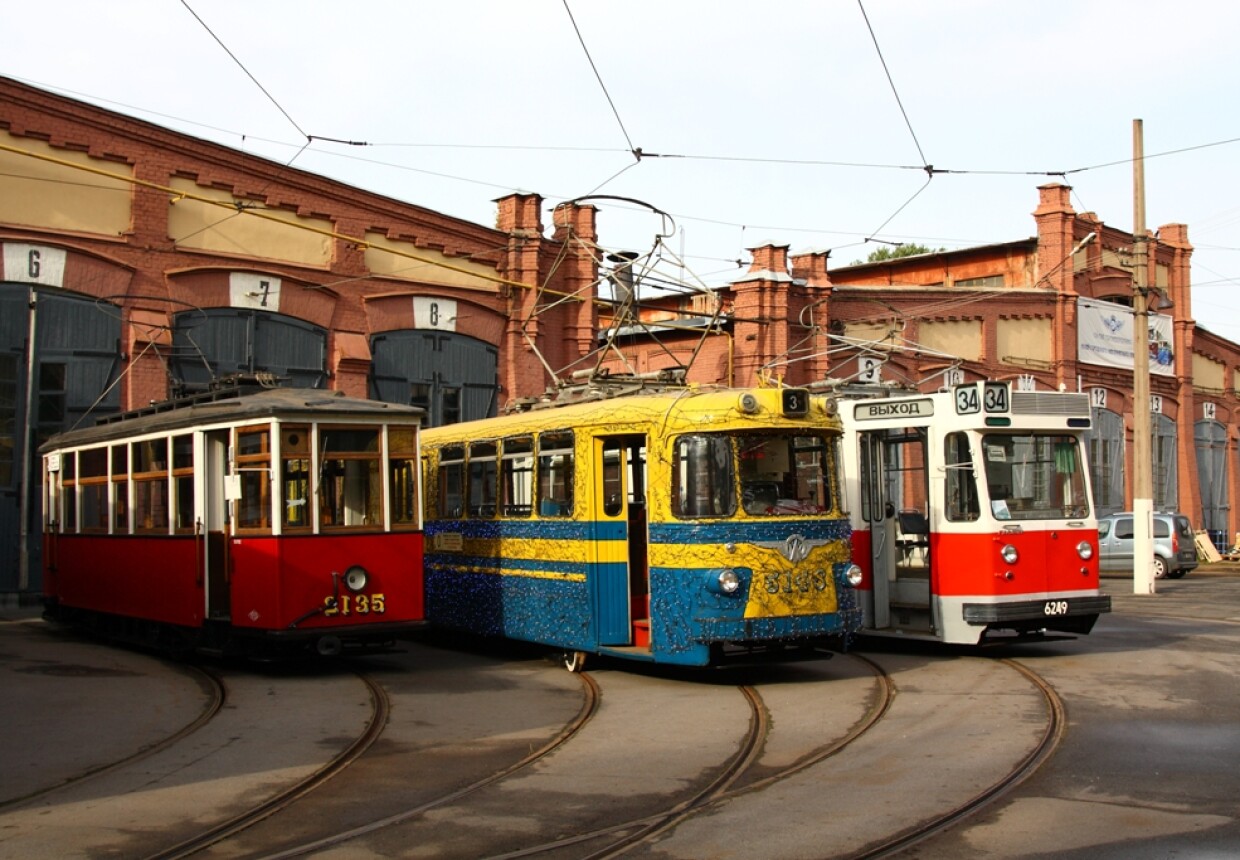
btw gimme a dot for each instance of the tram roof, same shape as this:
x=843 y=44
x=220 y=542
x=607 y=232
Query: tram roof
x=671 y=406
x=292 y=403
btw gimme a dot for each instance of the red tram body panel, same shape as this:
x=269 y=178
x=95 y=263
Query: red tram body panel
x=103 y=574
x=265 y=524
x=275 y=581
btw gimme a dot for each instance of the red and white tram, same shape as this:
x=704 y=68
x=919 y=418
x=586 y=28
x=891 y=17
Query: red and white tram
x=971 y=513
x=267 y=523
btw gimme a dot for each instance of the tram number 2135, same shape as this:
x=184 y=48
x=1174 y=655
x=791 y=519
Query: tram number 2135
x=355 y=604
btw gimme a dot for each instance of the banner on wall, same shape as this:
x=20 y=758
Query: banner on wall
x=1104 y=336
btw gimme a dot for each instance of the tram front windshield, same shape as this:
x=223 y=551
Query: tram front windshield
x=1034 y=476
x=764 y=475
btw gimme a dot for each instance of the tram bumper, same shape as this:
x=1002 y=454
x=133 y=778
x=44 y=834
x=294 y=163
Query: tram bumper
x=1069 y=614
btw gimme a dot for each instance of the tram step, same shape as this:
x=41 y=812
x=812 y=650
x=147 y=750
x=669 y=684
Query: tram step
x=641 y=632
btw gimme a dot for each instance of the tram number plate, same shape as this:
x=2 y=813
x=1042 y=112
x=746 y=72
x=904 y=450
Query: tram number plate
x=355 y=604
x=802 y=581
x=1055 y=607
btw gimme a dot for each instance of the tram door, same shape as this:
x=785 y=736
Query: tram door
x=214 y=526
x=895 y=505
x=621 y=586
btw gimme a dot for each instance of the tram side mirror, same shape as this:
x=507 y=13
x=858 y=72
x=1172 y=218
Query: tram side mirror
x=889 y=511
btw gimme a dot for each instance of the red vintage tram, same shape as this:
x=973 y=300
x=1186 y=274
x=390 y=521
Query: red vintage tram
x=261 y=523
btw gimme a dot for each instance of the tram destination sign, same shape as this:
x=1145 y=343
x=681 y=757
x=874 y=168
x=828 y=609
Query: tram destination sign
x=894 y=409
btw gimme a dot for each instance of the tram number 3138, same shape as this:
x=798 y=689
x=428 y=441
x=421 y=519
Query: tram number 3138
x=1055 y=607
x=803 y=581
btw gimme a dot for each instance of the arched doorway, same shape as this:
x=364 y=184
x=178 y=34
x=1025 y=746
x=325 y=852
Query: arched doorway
x=1106 y=461
x=1166 y=474
x=453 y=376
x=1210 y=438
x=214 y=342
x=75 y=363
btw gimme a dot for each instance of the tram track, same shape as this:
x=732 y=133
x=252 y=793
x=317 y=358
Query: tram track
x=589 y=707
x=634 y=833
x=380 y=711
x=1052 y=735
x=639 y=831
x=210 y=682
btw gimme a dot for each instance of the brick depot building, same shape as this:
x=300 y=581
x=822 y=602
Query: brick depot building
x=140 y=263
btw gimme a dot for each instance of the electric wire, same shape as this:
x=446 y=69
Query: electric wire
x=635 y=151
x=891 y=81
x=680 y=216
x=687 y=156
x=241 y=66
x=903 y=206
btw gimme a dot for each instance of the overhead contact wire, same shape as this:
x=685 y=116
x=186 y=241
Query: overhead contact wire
x=241 y=65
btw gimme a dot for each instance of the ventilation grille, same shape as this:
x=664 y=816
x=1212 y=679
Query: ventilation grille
x=1049 y=403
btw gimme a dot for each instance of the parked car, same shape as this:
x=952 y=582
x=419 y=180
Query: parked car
x=1175 y=552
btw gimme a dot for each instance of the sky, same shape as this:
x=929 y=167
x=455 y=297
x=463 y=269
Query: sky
x=805 y=123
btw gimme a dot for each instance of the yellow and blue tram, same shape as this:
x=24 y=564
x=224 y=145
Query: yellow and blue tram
x=672 y=524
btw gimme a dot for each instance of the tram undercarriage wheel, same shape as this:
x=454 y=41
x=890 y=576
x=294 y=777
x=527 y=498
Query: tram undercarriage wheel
x=574 y=661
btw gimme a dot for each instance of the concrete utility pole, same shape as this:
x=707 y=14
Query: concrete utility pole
x=1142 y=454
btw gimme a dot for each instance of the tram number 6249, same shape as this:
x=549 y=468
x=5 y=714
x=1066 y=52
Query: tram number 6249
x=1055 y=607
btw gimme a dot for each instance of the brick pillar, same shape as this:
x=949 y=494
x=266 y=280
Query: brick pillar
x=576 y=225
x=1179 y=283
x=148 y=333
x=760 y=308
x=521 y=374
x=816 y=310
x=1057 y=221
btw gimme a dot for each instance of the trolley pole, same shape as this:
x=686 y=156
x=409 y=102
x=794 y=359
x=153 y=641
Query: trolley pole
x=1142 y=455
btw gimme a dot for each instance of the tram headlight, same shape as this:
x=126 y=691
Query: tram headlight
x=726 y=581
x=1085 y=550
x=1009 y=553
x=853 y=575
x=355 y=578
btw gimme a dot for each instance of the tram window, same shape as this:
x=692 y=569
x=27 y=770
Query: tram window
x=613 y=479
x=784 y=475
x=481 y=497
x=253 y=462
x=68 y=483
x=703 y=479
x=150 y=485
x=403 y=475
x=961 y=484
x=183 y=482
x=120 y=488
x=517 y=477
x=350 y=486
x=555 y=474
x=93 y=486
x=1034 y=476
x=451 y=495
x=295 y=472
x=51 y=498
